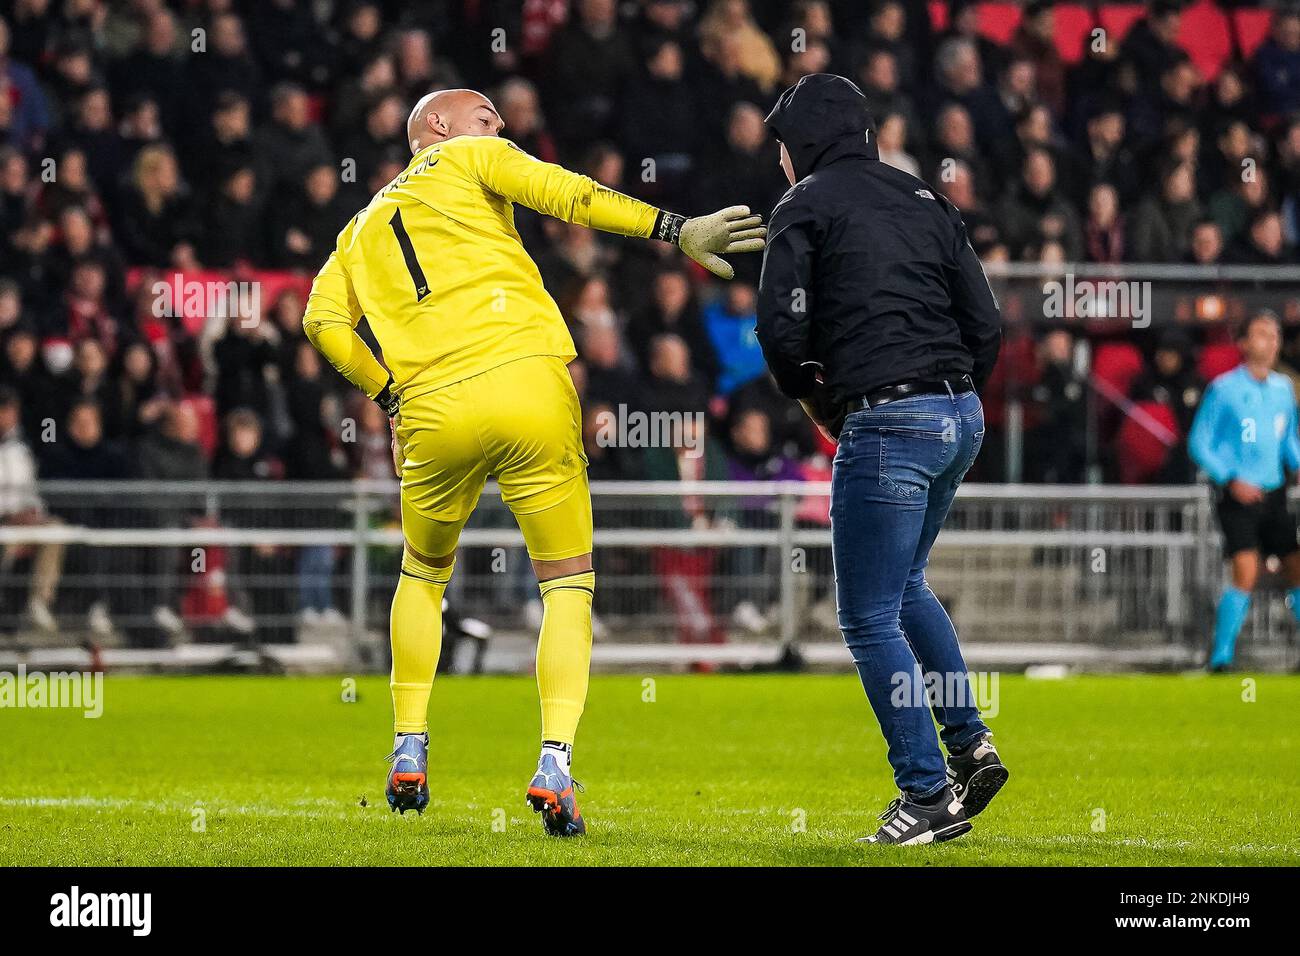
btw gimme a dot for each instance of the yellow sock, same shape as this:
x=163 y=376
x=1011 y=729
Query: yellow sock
x=415 y=628
x=564 y=653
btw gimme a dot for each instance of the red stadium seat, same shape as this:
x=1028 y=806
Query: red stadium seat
x=1204 y=32
x=1216 y=359
x=1117 y=364
x=1252 y=29
x=1204 y=35
x=1140 y=453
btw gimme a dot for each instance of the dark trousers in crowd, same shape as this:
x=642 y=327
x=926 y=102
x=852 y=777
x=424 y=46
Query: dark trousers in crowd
x=896 y=472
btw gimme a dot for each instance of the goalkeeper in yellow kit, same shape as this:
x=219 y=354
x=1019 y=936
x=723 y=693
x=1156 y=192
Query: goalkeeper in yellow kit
x=476 y=384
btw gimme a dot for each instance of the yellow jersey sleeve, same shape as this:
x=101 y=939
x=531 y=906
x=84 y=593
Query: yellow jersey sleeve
x=330 y=322
x=552 y=190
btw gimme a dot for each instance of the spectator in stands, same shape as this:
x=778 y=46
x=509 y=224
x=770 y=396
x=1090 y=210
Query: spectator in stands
x=93 y=133
x=672 y=309
x=226 y=145
x=418 y=69
x=21 y=505
x=233 y=227
x=257 y=572
x=730 y=324
x=381 y=137
x=26 y=116
x=313 y=456
x=1055 y=450
x=752 y=456
x=154 y=68
x=225 y=66
x=743 y=173
x=82 y=453
x=155 y=225
x=25 y=372
x=658 y=123
x=1234 y=206
x=80 y=241
x=1277 y=65
x=1161 y=225
x=242 y=357
x=291 y=144
x=1103 y=233
x=728 y=22
x=878 y=80
x=1107 y=158
x=520 y=109
x=305 y=227
x=891 y=139
x=611 y=374
x=672 y=386
x=591 y=60
x=1207 y=244
x=169 y=453
x=1264 y=243
x=1172 y=380
x=1152 y=45
x=957 y=183
x=685 y=574
x=960 y=79
x=887 y=31
x=1035 y=211
x=1035 y=40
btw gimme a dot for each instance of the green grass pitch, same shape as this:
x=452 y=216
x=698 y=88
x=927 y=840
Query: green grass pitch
x=761 y=769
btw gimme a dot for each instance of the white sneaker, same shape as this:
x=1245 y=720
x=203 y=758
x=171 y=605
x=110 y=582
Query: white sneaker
x=748 y=617
x=238 y=621
x=168 y=620
x=101 y=625
x=41 y=617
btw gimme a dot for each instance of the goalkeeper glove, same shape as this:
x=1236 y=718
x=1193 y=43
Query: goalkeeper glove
x=729 y=230
x=387 y=400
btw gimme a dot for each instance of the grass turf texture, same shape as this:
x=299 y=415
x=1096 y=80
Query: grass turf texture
x=717 y=770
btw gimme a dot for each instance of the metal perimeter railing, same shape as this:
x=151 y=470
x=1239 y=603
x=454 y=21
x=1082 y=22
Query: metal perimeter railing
x=1121 y=569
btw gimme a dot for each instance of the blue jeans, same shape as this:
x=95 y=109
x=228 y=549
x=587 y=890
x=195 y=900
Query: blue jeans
x=896 y=472
x=315 y=568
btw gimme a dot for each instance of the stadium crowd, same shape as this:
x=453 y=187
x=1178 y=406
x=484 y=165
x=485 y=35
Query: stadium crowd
x=217 y=138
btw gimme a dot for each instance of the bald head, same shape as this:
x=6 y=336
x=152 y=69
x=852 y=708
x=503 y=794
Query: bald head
x=443 y=114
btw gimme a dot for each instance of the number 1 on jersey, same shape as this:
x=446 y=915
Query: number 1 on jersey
x=408 y=253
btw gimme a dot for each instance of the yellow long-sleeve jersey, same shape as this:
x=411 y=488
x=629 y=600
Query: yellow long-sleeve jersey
x=436 y=266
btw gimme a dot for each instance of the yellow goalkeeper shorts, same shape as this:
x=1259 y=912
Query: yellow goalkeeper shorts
x=519 y=423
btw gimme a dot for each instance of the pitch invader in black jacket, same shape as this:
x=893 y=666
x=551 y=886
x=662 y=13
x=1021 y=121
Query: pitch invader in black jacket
x=875 y=313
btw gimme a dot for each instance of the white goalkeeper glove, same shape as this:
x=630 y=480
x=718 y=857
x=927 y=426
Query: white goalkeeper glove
x=729 y=230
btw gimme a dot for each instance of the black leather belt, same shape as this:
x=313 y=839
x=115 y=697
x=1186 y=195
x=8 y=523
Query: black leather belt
x=892 y=393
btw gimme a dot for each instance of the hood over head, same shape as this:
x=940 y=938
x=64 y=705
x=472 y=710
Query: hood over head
x=823 y=118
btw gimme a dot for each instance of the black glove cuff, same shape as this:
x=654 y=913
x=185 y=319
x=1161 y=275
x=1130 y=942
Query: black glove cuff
x=387 y=400
x=668 y=226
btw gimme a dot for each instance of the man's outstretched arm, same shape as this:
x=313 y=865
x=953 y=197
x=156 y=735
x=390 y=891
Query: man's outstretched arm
x=552 y=190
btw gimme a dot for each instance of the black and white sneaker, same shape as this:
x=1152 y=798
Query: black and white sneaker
x=976 y=775
x=911 y=824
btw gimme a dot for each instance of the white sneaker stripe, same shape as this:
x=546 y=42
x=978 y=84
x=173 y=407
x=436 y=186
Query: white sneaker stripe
x=909 y=820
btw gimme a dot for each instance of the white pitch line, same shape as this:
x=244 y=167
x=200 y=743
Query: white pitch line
x=128 y=803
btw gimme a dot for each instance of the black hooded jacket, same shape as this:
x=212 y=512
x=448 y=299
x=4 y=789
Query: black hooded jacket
x=868 y=275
